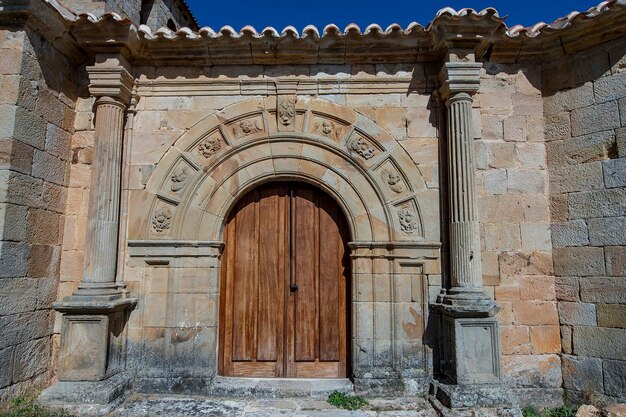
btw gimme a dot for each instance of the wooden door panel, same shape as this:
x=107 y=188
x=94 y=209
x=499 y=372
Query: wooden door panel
x=270 y=296
x=331 y=280
x=267 y=330
x=245 y=280
x=306 y=271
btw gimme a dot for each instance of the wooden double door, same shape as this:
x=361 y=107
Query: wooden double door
x=284 y=298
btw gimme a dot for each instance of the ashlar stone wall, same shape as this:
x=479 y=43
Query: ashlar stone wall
x=585 y=114
x=512 y=185
x=37 y=106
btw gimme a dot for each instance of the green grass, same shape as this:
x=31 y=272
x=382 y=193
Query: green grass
x=562 y=411
x=347 y=402
x=27 y=406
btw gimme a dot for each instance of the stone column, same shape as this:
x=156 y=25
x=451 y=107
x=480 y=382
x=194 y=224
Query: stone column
x=469 y=339
x=93 y=337
x=100 y=255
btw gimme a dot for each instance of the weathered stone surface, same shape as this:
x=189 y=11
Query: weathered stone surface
x=614 y=172
x=517 y=263
x=573 y=178
x=535 y=237
x=586 y=410
x=582 y=373
x=614 y=380
x=603 y=290
x=6 y=364
x=610 y=88
x=611 y=315
x=515 y=340
x=535 y=313
x=533 y=288
x=526 y=181
x=569 y=99
x=597 y=203
x=599 y=342
x=566 y=339
x=494 y=181
x=615 y=260
x=581 y=314
x=608 y=231
x=31 y=359
x=595 y=118
x=620 y=138
x=557 y=127
x=515 y=129
x=533 y=371
x=566 y=288
x=572 y=233
x=579 y=261
x=545 y=339
x=594 y=147
x=14 y=259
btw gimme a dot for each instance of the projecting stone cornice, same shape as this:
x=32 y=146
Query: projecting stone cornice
x=482 y=31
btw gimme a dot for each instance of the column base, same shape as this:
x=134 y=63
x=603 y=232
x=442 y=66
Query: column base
x=468 y=349
x=93 y=337
x=86 y=392
x=466 y=396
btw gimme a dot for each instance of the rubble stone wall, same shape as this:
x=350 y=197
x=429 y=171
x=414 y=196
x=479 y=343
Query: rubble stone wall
x=36 y=125
x=585 y=114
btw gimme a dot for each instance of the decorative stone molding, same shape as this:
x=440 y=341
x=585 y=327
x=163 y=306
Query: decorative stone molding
x=325 y=160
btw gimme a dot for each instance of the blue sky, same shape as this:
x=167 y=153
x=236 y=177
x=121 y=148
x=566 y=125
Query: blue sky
x=299 y=13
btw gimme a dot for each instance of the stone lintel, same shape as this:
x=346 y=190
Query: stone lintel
x=111 y=77
x=459 y=77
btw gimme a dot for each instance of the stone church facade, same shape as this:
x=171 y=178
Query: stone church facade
x=477 y=174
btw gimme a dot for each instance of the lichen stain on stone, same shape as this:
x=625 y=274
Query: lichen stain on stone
x=413 y=330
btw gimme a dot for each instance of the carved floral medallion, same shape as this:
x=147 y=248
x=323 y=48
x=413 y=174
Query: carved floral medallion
x=286 y=110
x=209 y=146
x=392 y=180
x=408 y=220
x=162 y=219
x=362 y=147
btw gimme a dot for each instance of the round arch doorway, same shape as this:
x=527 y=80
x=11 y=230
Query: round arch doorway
x=284 y=303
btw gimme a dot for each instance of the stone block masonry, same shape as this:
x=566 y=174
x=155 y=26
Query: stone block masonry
x=585 y=125
x=36 y=119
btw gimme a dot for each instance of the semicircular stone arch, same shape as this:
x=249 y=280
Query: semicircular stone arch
x=346 y=154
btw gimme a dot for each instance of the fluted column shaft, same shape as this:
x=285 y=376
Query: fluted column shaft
x=100 y=256
x=465 y=260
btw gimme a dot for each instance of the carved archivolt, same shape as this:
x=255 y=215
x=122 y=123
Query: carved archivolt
x=343 y=152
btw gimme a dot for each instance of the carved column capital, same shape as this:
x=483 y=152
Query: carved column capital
x=111 y=77
x=459 y=78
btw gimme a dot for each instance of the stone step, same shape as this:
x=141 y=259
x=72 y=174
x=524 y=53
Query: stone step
x=279 y=387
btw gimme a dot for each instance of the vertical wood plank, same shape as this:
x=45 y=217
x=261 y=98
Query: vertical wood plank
x=270 y=303
x=330 y=280
x=305 y=272
x=244 y=286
